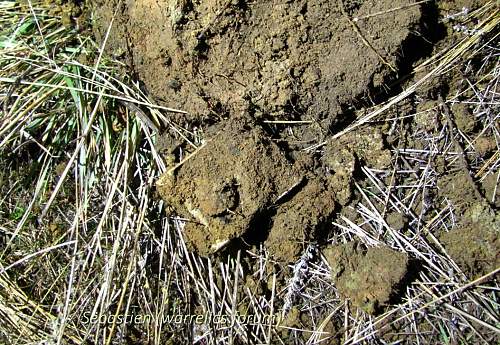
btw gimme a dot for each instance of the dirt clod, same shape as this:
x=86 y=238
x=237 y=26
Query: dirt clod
x=367 y=146
x=475 y=244
x=464 y=119
x=369 y=278
x=458 y=188
x=227 y=185
x=240 y=183
x=298 y=221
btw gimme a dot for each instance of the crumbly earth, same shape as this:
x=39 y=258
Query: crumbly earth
x=297 y=221
x=342 y=156
x=298 y=60
x=289 y=60
x=237 y=184
x=458 y=189
x=479 y=232
x=369 y=278
x=227 y=185
x=240 y=184
x=491 y=189
x=363 y=145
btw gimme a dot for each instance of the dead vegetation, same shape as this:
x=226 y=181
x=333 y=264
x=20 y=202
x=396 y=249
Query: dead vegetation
x=90 y=254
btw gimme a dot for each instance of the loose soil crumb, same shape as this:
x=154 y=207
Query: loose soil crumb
x=458 y=189
x=71 y=12
x=463 y=118
x=491 y=188
x=300 y=219
x=366 y=146
x=396 y=220
x=369 y=278
x=485 y=146
x=475 y=245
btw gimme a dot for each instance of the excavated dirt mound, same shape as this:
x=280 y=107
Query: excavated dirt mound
x=302 y=60
x=293 y=60
x=238 y=68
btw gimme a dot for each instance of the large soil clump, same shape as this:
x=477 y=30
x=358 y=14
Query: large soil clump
x=240 y=183
x=307 y=60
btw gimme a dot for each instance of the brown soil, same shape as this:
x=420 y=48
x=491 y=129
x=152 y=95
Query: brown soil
x=475 y=245
x=491 y=188
x=293 y=60
x=298 y=220
x=226 y=185
x=240 y=183
x=71 y=12
x=366 y=145
x=302 y=60
x=458 y=189
x=369 y=278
